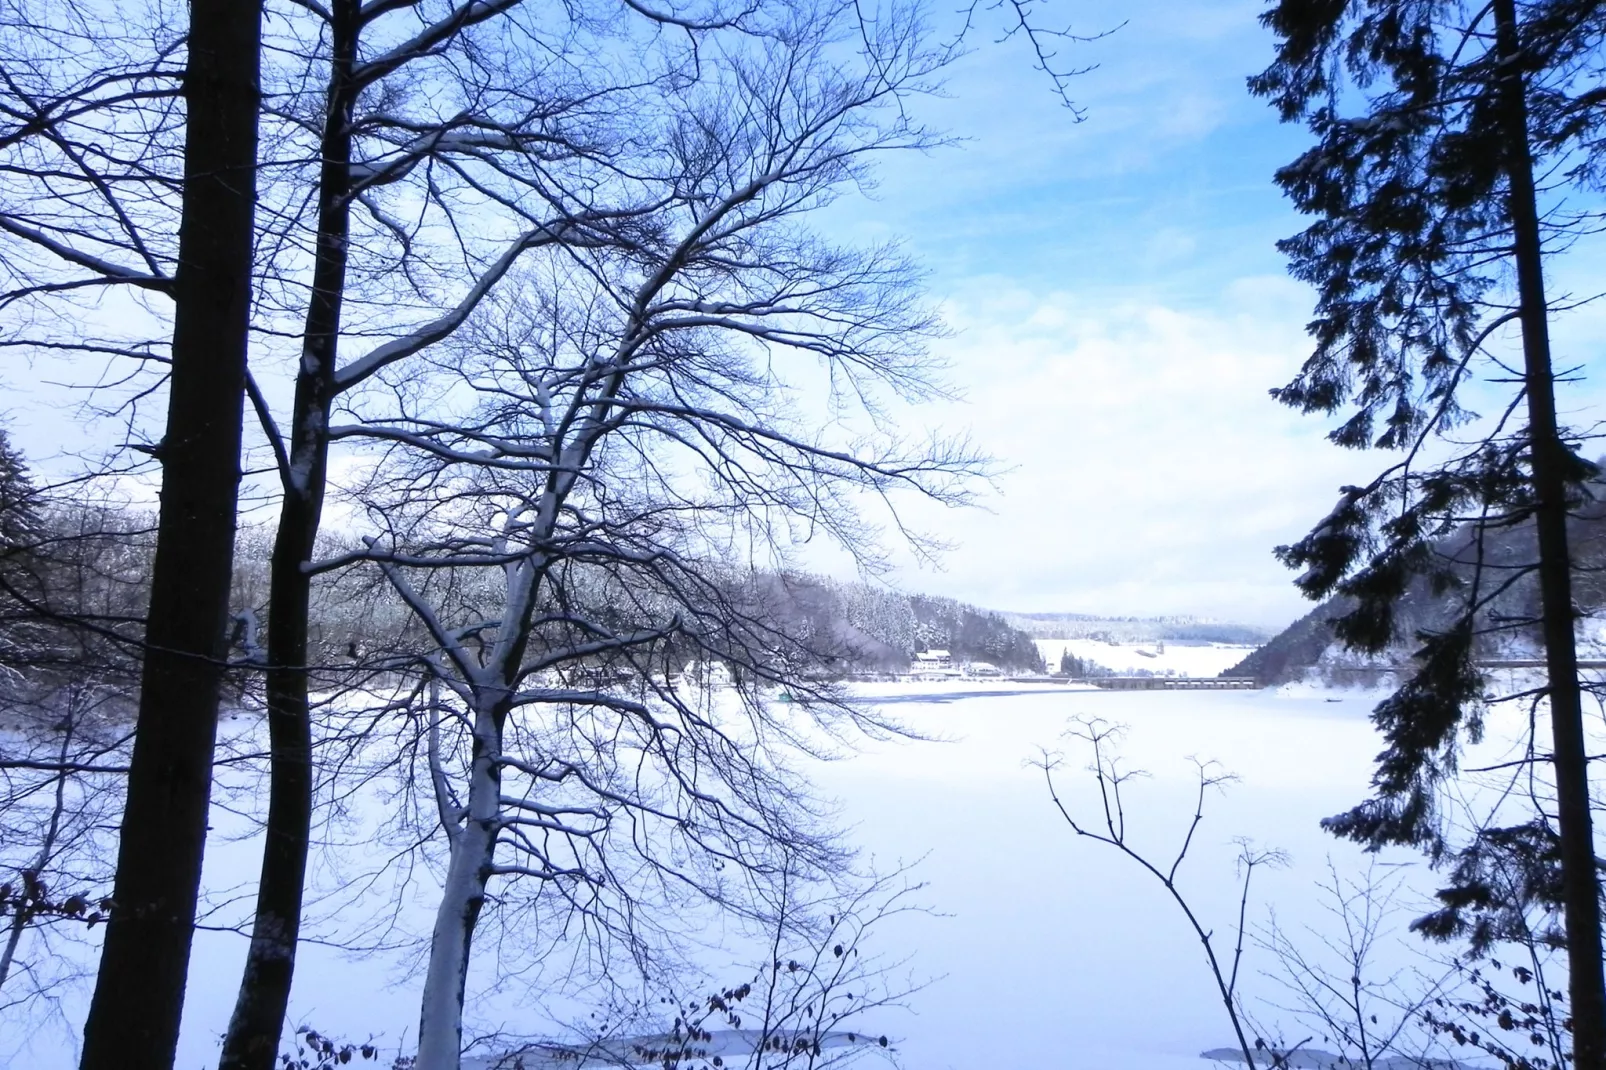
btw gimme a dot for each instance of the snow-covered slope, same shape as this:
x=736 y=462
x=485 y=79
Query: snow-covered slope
x=1182 y=659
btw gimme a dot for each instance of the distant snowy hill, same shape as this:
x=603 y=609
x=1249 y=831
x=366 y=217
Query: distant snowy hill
x=1312 y=1059
x=1160 y=658
x=1159 y=646
x=1136 y=629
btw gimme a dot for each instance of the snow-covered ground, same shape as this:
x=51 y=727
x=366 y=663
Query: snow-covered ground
x=1183 y=659
x=1042 y=949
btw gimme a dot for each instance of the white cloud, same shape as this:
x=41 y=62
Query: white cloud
x=1150 y=472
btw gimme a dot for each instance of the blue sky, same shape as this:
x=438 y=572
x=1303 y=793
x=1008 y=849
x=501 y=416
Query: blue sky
x=1121 y=311
x=1165 y=185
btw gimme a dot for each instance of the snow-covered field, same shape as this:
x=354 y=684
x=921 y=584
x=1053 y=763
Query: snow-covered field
x=1042 y=950
x=1183 y=659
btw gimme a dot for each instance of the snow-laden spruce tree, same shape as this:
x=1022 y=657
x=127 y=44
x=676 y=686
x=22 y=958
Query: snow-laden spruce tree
x=1456 y=156
x=621 y=440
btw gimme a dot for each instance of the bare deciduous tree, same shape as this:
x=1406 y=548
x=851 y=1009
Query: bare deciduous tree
x=442 y=144
x=614 y=441
x=1371 y=1012
x=1107 y=773
x=413 y=155
x=61 y=774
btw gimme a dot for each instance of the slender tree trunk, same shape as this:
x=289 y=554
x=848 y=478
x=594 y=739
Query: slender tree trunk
x=8 y=954
x=440 y=1025
x=1550 y=459
x=134 y=1016
x=252 y=1041
x=25 y=907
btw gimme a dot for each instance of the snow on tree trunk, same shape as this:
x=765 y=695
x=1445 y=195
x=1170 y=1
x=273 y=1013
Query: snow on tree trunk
x=440 y=1026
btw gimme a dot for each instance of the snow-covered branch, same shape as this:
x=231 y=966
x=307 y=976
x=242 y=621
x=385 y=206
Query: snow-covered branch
x=559 y=232
x=427 y=41
x=108 y=272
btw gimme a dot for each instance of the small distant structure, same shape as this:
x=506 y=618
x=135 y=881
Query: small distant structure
x=984 y=669
x=1175 y=683
x=932 y=665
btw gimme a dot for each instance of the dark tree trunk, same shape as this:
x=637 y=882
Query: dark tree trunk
x=134 y=1016
x=252 y=1041
x=1551 y=462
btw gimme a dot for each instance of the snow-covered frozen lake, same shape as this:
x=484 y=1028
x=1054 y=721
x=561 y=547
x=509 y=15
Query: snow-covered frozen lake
x=1044 y=950
x=1058 y=952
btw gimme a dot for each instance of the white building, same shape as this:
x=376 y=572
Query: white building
x=932 y=665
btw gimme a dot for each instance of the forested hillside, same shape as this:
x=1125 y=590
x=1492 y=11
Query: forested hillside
x=75 y=578
x=1502 y=567
x=971 y=634
x=840 y=627
x=73 y=589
